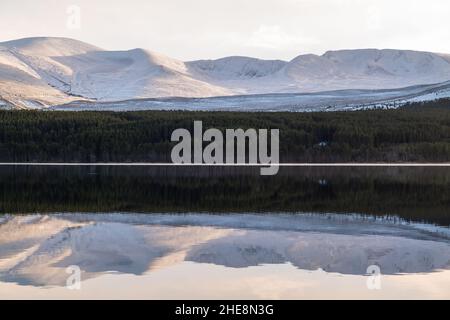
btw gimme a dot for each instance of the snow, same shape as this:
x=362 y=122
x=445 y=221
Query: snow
x=54 y=71
x=4 y=105
x=49 y=46
x=342 y=100
x=438 y=94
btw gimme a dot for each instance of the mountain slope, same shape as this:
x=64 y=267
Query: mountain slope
x=40 y=72
x=120 y=75
x=367 y=69
x=30 y=77
x=53 y=71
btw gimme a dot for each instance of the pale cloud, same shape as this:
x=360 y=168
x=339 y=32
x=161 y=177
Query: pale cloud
x=374 y=18
x=274 y=37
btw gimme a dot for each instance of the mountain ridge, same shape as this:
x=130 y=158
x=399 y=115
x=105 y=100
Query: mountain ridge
x=47 y=71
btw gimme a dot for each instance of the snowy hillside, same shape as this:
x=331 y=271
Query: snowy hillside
x=367 y=69
x=341 y=100
x=41 y=72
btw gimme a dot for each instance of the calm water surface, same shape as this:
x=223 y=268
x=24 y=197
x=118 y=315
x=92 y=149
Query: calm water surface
x=160 y=233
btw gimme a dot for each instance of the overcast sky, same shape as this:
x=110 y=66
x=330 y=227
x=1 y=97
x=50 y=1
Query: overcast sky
x=195 y=29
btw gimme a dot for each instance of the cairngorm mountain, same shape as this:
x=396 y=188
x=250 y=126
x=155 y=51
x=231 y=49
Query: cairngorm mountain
x=41 y=72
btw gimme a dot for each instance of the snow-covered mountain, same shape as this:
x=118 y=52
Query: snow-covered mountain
x=39 y=72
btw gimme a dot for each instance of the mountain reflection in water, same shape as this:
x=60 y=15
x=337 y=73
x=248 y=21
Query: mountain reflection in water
x=36 y=249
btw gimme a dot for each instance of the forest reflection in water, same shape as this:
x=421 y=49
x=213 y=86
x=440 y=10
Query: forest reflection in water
x=417 y=194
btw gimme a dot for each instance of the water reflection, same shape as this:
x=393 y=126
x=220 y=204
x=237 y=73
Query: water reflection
x=419 y=194
x=210 y=249
x=35 y=250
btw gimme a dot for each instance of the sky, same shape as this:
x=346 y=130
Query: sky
x=206 y=29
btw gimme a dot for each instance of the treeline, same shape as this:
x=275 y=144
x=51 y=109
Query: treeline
x=417 y=194
x=412 y=133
